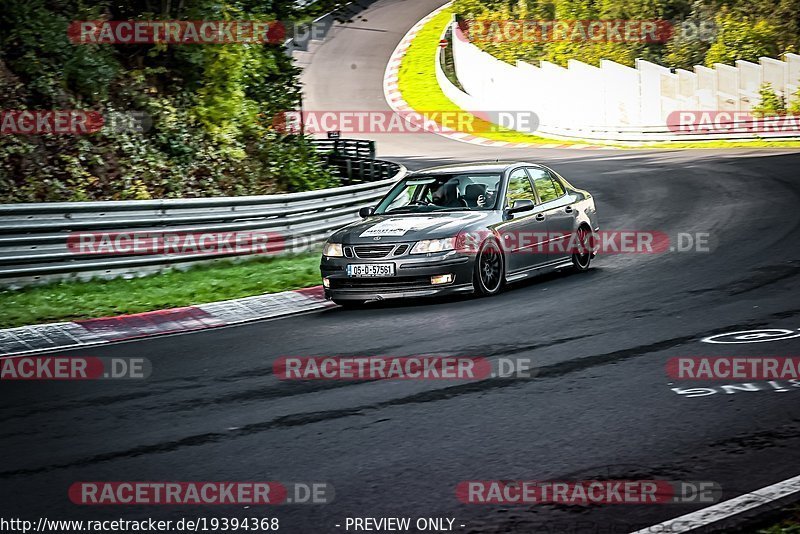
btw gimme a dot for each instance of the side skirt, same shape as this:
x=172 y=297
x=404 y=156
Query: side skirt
x=539 y=269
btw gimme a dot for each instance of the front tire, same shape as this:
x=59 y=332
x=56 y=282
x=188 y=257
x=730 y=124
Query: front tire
x=489 y=272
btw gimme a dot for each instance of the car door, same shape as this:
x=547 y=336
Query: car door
x=522 y=232
x=557 y=207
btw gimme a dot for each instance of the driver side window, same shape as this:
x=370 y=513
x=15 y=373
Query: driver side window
x=519 y=188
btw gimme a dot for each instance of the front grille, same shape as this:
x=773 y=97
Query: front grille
x=371 y=252
x=388 y=283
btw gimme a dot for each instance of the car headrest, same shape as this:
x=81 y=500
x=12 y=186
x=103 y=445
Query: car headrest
x=438 y=194
x=473 y=191
x=450 y=190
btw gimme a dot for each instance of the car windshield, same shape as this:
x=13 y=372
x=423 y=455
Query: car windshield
x=442 y=192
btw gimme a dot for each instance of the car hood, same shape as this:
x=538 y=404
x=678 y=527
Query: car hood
x=405 y=228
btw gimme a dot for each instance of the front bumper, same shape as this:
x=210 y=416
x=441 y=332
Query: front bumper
x=412 y=277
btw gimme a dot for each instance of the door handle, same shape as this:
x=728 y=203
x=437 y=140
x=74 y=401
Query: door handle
x=540 y=216
x=568 y=209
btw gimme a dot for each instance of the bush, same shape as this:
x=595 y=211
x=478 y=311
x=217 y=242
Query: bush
x=794 y=103
x=210 y=106
x=770 y=104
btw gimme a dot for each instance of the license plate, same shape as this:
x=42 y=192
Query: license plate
x=370 y=269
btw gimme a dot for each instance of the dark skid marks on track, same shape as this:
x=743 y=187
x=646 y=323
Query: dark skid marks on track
x=446 y=393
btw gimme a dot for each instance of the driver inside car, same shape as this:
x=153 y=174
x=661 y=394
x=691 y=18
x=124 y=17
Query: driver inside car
x=447 y=195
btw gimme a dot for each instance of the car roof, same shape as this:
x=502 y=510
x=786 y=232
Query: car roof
x=479 y=166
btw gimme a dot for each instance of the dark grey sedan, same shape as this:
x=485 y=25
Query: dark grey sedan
x=461 y=228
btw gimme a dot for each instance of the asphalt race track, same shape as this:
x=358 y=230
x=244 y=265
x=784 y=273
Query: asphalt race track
x=601 y=405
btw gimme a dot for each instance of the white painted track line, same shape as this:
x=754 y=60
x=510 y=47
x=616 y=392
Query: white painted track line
x=728 y=509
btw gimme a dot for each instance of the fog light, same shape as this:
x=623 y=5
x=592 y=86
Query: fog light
x=326 y=283
x=441 y=279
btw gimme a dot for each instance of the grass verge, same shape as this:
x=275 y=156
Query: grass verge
x=420 y=89
x=418 y=85
x=789 y=525
x=69 y=300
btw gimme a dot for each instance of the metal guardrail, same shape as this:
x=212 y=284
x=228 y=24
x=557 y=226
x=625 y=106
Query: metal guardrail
x=353 y=170
x=34 y=237
x=318 y=29
x=354 y=160
x=354 y=148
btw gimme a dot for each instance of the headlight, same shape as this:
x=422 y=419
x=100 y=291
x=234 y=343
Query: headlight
x=434 y=245
x=332 y=250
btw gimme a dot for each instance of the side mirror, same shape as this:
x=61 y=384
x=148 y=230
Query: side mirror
x=365 y=212
x=520 y=206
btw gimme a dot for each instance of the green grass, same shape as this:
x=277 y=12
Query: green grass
x=784 y=528
x=69 y=300
x=418 y=85
x=789 y=525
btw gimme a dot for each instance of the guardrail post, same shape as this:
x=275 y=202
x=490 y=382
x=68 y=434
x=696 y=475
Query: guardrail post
x=349 y=172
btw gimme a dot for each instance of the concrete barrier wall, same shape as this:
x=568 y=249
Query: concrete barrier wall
x=613 y=102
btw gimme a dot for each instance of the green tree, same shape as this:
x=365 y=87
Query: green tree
x=738 y=38
x=210 y=107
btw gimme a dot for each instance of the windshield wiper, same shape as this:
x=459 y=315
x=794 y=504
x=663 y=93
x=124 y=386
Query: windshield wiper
x=403 y=208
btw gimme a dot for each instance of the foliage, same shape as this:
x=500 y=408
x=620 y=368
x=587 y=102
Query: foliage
x=209 y=107
x=704 y=31
x=794 y=103
x=746 y=39
x=789 y=524
x=770 y=104
x=417 y=82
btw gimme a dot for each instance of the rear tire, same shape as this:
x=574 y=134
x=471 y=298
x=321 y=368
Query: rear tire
x=585 y=241
x=489 y=271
